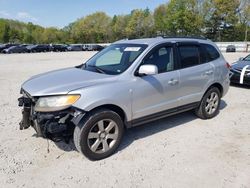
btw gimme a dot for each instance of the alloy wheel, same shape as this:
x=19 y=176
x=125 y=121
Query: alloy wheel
x=102 y=136
x=212 y=103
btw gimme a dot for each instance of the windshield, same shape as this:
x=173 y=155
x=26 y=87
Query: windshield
x=247 y=58
x=115 y=59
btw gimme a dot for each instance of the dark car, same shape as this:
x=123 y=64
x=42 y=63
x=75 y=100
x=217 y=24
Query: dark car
x=16 y=49
x=39 y=48
x=5 y=46
x=59 y=48
x=75 y=47
x=95 y=47
x=231 y=48
x=241 y=71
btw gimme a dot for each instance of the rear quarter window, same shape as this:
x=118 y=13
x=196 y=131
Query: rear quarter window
x=209 y=53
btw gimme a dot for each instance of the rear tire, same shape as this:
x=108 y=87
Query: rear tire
x=210 y=104
x=99 y=134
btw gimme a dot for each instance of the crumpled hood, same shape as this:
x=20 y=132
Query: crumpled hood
x=240 y=64
x=63 y=81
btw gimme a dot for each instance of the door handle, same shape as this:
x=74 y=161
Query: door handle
x=173 y=82
x=210 y=72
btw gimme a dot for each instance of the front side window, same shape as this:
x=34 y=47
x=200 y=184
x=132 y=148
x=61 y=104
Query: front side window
x=162 y=58
x=189 y=56
x=114 y=59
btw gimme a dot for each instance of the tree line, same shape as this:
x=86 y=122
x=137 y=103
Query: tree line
x=218 y=20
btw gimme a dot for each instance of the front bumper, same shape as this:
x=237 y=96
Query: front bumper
x=52 y=125
x=235 y=78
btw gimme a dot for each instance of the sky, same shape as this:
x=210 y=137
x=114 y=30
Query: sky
x=60 y=13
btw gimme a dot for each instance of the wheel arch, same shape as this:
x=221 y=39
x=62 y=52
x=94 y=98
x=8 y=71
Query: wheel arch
x=217 y=85
x=114 y=108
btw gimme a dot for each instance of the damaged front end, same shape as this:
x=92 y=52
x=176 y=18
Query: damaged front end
x=55 y=125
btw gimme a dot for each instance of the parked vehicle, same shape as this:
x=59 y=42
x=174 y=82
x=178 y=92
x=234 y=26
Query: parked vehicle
x=16 y=49
x=75 y=47
x=5 y=46
x=241 y=71
x=39 y=48
x=85 y=47
x=59 y=48
x=231 y=48
x=129 y=83
x=94 y=47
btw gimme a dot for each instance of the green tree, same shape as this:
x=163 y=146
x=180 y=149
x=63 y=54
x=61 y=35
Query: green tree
x=92 y=28
x=220 y=18
x=182 y=18
x=67 y=32
x=160 y=14
x=51 y=35
x=140 y=24
x=245 y=17
x=28 y=37
x=6 y=33
x=118 y=25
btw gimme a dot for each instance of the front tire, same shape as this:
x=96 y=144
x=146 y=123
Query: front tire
x=99 y=134
x=210 y=104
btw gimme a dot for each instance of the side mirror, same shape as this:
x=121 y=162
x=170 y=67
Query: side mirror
x=148 y=70
x=241 y=58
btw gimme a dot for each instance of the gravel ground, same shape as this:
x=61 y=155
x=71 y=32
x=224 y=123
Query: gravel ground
x=179 y=151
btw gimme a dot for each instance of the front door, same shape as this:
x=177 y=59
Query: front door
x=157 y=93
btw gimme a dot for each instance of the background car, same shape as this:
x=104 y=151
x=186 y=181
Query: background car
x=5 y=46
x=16 y=49
x=59 y=48
x=231 y=48
x=94 y=47
x=39 y=48
x=85 y=47
x=241 y=71
x=75 y=47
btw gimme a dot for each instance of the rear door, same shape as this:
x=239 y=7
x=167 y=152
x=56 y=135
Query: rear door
x=194 y=73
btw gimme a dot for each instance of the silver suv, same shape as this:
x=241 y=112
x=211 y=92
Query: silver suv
x=129 y=83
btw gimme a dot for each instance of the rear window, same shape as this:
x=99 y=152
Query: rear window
x=209 y=53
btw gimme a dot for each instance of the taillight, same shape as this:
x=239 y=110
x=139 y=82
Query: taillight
x=228 y=65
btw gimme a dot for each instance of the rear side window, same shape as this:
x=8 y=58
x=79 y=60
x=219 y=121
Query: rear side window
x=189 y=55
x=209 y=52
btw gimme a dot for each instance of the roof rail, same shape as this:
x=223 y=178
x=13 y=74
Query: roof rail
x=186 y=37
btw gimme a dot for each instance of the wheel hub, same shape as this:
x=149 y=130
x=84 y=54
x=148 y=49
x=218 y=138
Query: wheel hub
x=102 y=135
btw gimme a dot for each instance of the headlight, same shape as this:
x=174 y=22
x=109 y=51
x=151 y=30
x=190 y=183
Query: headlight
x=55 y=103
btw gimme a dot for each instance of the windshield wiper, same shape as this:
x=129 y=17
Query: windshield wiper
x=98 y=69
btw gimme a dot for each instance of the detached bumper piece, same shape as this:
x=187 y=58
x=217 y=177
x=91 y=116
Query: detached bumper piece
x=56 y=126
x=26 y=103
